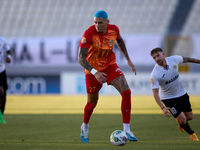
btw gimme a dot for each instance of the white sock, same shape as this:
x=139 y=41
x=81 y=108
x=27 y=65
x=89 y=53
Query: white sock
x=126 y=127
x=85 y=126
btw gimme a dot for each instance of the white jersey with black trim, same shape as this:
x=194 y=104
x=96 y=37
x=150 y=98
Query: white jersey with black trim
x=168 y=80
x=4 y=47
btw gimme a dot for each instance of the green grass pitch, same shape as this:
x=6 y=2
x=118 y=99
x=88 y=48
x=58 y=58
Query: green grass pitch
x=52 y=122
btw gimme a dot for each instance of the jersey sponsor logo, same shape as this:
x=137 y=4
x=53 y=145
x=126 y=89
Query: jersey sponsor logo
x=174 y=67
x=83 y=40
x=103 y=53
x=172 y=80
x=111 y=42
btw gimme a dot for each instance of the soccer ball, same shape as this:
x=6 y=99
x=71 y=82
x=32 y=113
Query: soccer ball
x=118 y=138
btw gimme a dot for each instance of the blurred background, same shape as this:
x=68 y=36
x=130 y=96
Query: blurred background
x=45 y=34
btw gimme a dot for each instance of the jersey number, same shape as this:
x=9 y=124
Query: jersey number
x=92 y=89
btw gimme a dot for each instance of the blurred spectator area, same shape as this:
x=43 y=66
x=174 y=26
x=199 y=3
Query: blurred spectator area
x=55 y=18
x=36 y=18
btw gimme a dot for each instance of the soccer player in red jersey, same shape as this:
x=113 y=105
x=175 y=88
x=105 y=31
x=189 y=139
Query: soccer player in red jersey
x=98 y=59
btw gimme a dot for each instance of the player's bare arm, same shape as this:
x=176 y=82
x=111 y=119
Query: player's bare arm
x=122 y=47
x=100 y=76
x=160 y=104
x=81 y=58
x=191 y=60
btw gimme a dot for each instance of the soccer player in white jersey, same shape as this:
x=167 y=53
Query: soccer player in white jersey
x=173 y=99
x=4 y=49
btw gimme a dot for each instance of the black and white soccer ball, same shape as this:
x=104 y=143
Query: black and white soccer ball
x=118 y=138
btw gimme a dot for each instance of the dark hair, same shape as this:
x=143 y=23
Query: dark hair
x=157 y=49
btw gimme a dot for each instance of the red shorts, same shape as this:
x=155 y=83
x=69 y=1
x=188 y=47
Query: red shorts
x=93 y=85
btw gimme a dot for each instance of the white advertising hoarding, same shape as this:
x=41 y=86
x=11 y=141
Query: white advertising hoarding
x=196 y=46
x=74 y=83
x=44 y=51
x=64 y=50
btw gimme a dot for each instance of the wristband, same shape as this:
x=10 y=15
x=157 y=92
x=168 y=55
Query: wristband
x=93 y=71
x=9 y=56
x=163 y=107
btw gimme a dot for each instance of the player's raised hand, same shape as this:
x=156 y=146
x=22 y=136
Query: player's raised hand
x=129 y=62
x=166 y=112
x=101 y=77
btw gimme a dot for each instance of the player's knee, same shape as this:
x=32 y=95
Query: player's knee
x=182 y=121
x=190 y=117
x=126 y=93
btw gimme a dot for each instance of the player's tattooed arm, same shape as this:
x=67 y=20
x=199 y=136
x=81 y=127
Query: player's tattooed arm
x=191 y=60
x=122 y=47
x=81 y=58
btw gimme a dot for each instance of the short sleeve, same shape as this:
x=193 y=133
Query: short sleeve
x=154 y=82
x=6 y=47
x=117 y=30
x=86 y=39
x=118 y=33
x=178 y=58
x=4 y=43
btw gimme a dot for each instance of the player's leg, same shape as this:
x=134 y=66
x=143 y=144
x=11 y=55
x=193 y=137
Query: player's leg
x=187 y=111
x=88 y=110
x=189 y=116
x=93 y=87
x=2 y=104
x=182 y=119
x=116 y=78
x=3 y=88
x=183 y=123
x=179 y=126
x=176 y=111
x=121 y=85
x=179 y=107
